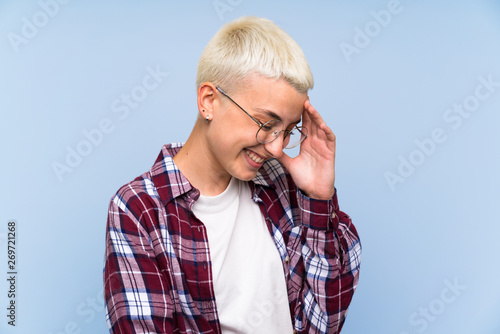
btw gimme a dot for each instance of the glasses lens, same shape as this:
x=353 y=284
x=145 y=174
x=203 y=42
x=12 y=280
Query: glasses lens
x=269 y=131
x=295 y=137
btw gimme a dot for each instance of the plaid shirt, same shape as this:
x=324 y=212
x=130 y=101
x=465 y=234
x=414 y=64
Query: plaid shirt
x=157 y=274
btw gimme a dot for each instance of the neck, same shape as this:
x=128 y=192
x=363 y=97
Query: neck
x=197 y=163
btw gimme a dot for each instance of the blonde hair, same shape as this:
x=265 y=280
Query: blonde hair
x=251 y=45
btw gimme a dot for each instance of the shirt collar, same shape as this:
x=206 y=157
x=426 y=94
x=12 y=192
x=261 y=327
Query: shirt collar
x=171 y=183
x=262 y=178
x=167 y=178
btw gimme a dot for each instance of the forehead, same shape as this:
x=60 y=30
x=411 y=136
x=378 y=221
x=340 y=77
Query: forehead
x=272 y=98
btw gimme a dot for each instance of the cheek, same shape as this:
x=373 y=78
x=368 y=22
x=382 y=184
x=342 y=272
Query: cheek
x=233 y=136
x=227 y=144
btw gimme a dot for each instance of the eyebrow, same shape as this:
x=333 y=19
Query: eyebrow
x=274 y=115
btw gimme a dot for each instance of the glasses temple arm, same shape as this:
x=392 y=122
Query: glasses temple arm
x=224 y=93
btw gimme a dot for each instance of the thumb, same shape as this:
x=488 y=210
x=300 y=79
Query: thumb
x=285 y=160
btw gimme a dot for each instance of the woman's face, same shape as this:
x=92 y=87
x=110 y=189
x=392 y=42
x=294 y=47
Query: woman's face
x=231 y=134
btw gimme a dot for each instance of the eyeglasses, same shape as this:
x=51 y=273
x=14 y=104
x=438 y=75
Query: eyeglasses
x=270 y=130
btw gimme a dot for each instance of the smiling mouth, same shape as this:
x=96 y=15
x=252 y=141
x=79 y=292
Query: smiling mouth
x=255 y=158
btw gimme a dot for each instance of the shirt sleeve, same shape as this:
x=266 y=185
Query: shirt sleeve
x=331 y=254
x=136 y=293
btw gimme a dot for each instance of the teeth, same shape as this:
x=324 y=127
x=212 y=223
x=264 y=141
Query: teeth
x=255 y=158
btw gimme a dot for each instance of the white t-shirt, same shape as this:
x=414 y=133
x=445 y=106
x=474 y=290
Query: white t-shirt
x=249 y=283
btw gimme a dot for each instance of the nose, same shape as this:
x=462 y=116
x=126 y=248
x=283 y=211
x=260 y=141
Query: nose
x=275 y=147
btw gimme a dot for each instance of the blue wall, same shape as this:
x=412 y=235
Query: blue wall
x=410 y=88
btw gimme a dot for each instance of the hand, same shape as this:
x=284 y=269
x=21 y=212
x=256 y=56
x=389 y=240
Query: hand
x=313 y=170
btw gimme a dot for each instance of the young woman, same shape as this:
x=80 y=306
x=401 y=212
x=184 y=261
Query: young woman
x=226 y=233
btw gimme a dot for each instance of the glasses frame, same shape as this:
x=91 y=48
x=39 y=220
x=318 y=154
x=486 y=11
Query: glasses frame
x=302 y=130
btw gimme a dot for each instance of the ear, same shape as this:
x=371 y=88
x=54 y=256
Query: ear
x=207 y=100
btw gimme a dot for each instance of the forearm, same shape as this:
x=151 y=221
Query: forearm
x=331 y=255
x=136 y=293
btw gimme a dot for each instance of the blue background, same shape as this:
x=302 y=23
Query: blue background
x=436 y=226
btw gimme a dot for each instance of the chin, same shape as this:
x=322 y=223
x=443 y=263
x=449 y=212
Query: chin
x=245 y=177
x=244 y=174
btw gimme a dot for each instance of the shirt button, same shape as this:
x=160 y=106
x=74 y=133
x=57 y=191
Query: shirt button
x=333 y=215
x=287 y=258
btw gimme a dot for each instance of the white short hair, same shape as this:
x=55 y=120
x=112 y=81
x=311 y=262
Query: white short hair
x=251 y=45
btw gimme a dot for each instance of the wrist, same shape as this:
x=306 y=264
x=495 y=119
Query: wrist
x=323 y=196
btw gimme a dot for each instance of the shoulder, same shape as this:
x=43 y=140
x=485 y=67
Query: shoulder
x=143 y=193
x=136 y=197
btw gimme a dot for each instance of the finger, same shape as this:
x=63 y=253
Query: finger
x=285 y=160
x=314 y=114
x=306 y=119
x=315 y=120
x=320 y=127
x=328 y=132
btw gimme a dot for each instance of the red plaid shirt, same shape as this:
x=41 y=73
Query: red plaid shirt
x=157 y=275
